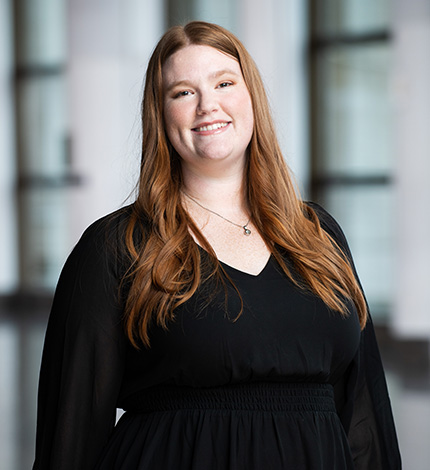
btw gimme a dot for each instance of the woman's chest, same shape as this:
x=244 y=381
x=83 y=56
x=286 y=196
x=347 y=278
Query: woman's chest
x=267 y=329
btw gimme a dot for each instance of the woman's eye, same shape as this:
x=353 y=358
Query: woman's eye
x=224 y=84
x=182 y=93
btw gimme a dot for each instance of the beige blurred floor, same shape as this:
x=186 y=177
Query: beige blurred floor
x=22 y=328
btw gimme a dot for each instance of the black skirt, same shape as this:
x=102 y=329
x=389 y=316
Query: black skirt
x=252 y=426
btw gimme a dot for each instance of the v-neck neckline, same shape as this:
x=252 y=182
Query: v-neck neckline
x=240 y=271
x=245 y=273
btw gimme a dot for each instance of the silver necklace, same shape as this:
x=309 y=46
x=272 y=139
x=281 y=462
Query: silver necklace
x=246 y=230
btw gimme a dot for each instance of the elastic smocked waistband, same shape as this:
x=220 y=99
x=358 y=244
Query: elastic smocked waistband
x=282 y=397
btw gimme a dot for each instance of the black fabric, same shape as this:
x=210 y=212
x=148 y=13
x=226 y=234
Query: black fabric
x=288 y=384
x=372 y=432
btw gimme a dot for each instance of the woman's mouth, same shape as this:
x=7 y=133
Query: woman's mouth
x=211 y=127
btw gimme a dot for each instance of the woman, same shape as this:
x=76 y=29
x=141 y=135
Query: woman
x=219 y=311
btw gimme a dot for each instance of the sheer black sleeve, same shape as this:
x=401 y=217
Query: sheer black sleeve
x=365 y=407
x=83 y=356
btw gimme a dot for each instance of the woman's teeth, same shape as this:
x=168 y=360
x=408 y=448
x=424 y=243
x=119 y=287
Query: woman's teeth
x=211 y=127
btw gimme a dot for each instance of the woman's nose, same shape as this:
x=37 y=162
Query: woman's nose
x=207 y=103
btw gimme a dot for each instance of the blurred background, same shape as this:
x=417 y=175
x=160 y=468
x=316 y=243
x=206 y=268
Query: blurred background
x=349 y=84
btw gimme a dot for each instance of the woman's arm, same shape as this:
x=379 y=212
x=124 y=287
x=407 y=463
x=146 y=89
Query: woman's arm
x=83 y=356
x=366 y=408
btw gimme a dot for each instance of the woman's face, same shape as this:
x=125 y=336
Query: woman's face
x=207 y=107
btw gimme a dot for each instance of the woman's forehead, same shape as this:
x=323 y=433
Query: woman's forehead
x=197 y=61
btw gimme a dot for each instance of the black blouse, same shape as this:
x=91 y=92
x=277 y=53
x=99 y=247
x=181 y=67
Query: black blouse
x=285 y=336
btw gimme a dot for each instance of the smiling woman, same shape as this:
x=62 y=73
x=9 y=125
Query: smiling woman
x=220 y=311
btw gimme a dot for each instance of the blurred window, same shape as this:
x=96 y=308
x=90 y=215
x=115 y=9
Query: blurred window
x=352 y=155
x=42 y=140
x=334 y=17
x=222 y=12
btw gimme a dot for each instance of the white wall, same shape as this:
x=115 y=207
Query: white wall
x=275 y=34
x=8 y=229
x=411 y=91
x=109 y=44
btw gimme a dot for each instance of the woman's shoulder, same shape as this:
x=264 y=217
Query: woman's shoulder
x=323 y=215
x=110 y=223
x=104 y=239
x=112 y=227
x=328 y=223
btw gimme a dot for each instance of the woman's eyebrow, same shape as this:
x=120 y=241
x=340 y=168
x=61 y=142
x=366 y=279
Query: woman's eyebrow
x=216 y=74
x=219 y=73
x=178 y=83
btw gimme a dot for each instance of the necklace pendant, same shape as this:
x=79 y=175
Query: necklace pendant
x=246 y=231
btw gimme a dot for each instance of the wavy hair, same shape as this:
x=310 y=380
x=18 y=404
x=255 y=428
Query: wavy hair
x=166 y=267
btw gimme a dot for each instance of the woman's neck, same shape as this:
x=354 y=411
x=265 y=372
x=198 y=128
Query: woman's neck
x=222 y=193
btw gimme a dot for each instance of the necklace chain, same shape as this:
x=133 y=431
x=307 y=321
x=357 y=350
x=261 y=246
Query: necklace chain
x=246 y=230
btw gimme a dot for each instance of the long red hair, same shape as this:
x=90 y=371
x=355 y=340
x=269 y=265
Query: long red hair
x=166 y=267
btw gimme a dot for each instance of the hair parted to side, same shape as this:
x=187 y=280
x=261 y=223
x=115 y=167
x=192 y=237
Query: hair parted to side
x=165 y=269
